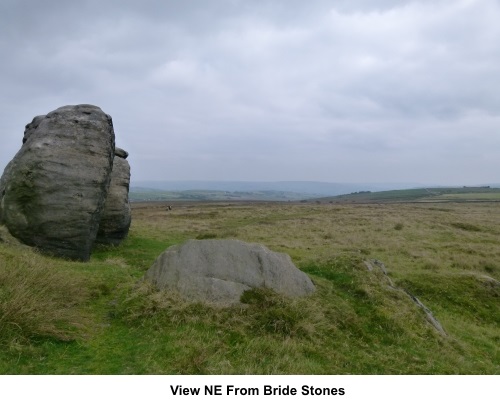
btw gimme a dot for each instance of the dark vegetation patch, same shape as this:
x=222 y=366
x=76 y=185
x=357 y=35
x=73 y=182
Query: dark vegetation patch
x=202 y=236
x=466 y=227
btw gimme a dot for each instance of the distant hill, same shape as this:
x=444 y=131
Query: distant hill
x=293 y=190
x=434 y=194
x=150 y=194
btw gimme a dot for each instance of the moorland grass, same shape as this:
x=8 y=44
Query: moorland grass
x=39 y=300
x=60 y=317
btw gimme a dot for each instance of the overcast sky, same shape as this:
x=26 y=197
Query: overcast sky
x=338 y=91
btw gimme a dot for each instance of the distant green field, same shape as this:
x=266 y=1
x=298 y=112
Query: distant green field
x=468 y=196
x=420 y=195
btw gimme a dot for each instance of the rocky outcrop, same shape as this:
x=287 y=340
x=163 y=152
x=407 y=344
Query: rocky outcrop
x=54 y=190
x=219 y=271
x=116 y=216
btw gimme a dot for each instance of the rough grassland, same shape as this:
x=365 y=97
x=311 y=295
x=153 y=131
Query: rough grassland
x=59 y=317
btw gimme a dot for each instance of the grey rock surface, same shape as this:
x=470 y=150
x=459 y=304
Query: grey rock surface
x=3 y=185
x=116 y=216
x=121 y=153
x=53 y=191
x=7 y=238
x=32 y=126
x=219 y=271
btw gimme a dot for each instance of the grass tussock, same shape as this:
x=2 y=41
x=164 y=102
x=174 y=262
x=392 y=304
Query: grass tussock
x=262 y=312
x=38 y=301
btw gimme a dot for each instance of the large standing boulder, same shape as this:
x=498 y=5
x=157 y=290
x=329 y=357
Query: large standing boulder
x=116 y=216
x=219 y=271
x=53 y=191
x=3 y=186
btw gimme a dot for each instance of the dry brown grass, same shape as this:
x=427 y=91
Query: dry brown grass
x=422 y=237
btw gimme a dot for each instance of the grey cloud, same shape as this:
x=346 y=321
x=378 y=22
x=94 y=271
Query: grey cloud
x=282 y=90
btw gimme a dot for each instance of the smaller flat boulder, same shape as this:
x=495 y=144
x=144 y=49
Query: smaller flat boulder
x=219 y=271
